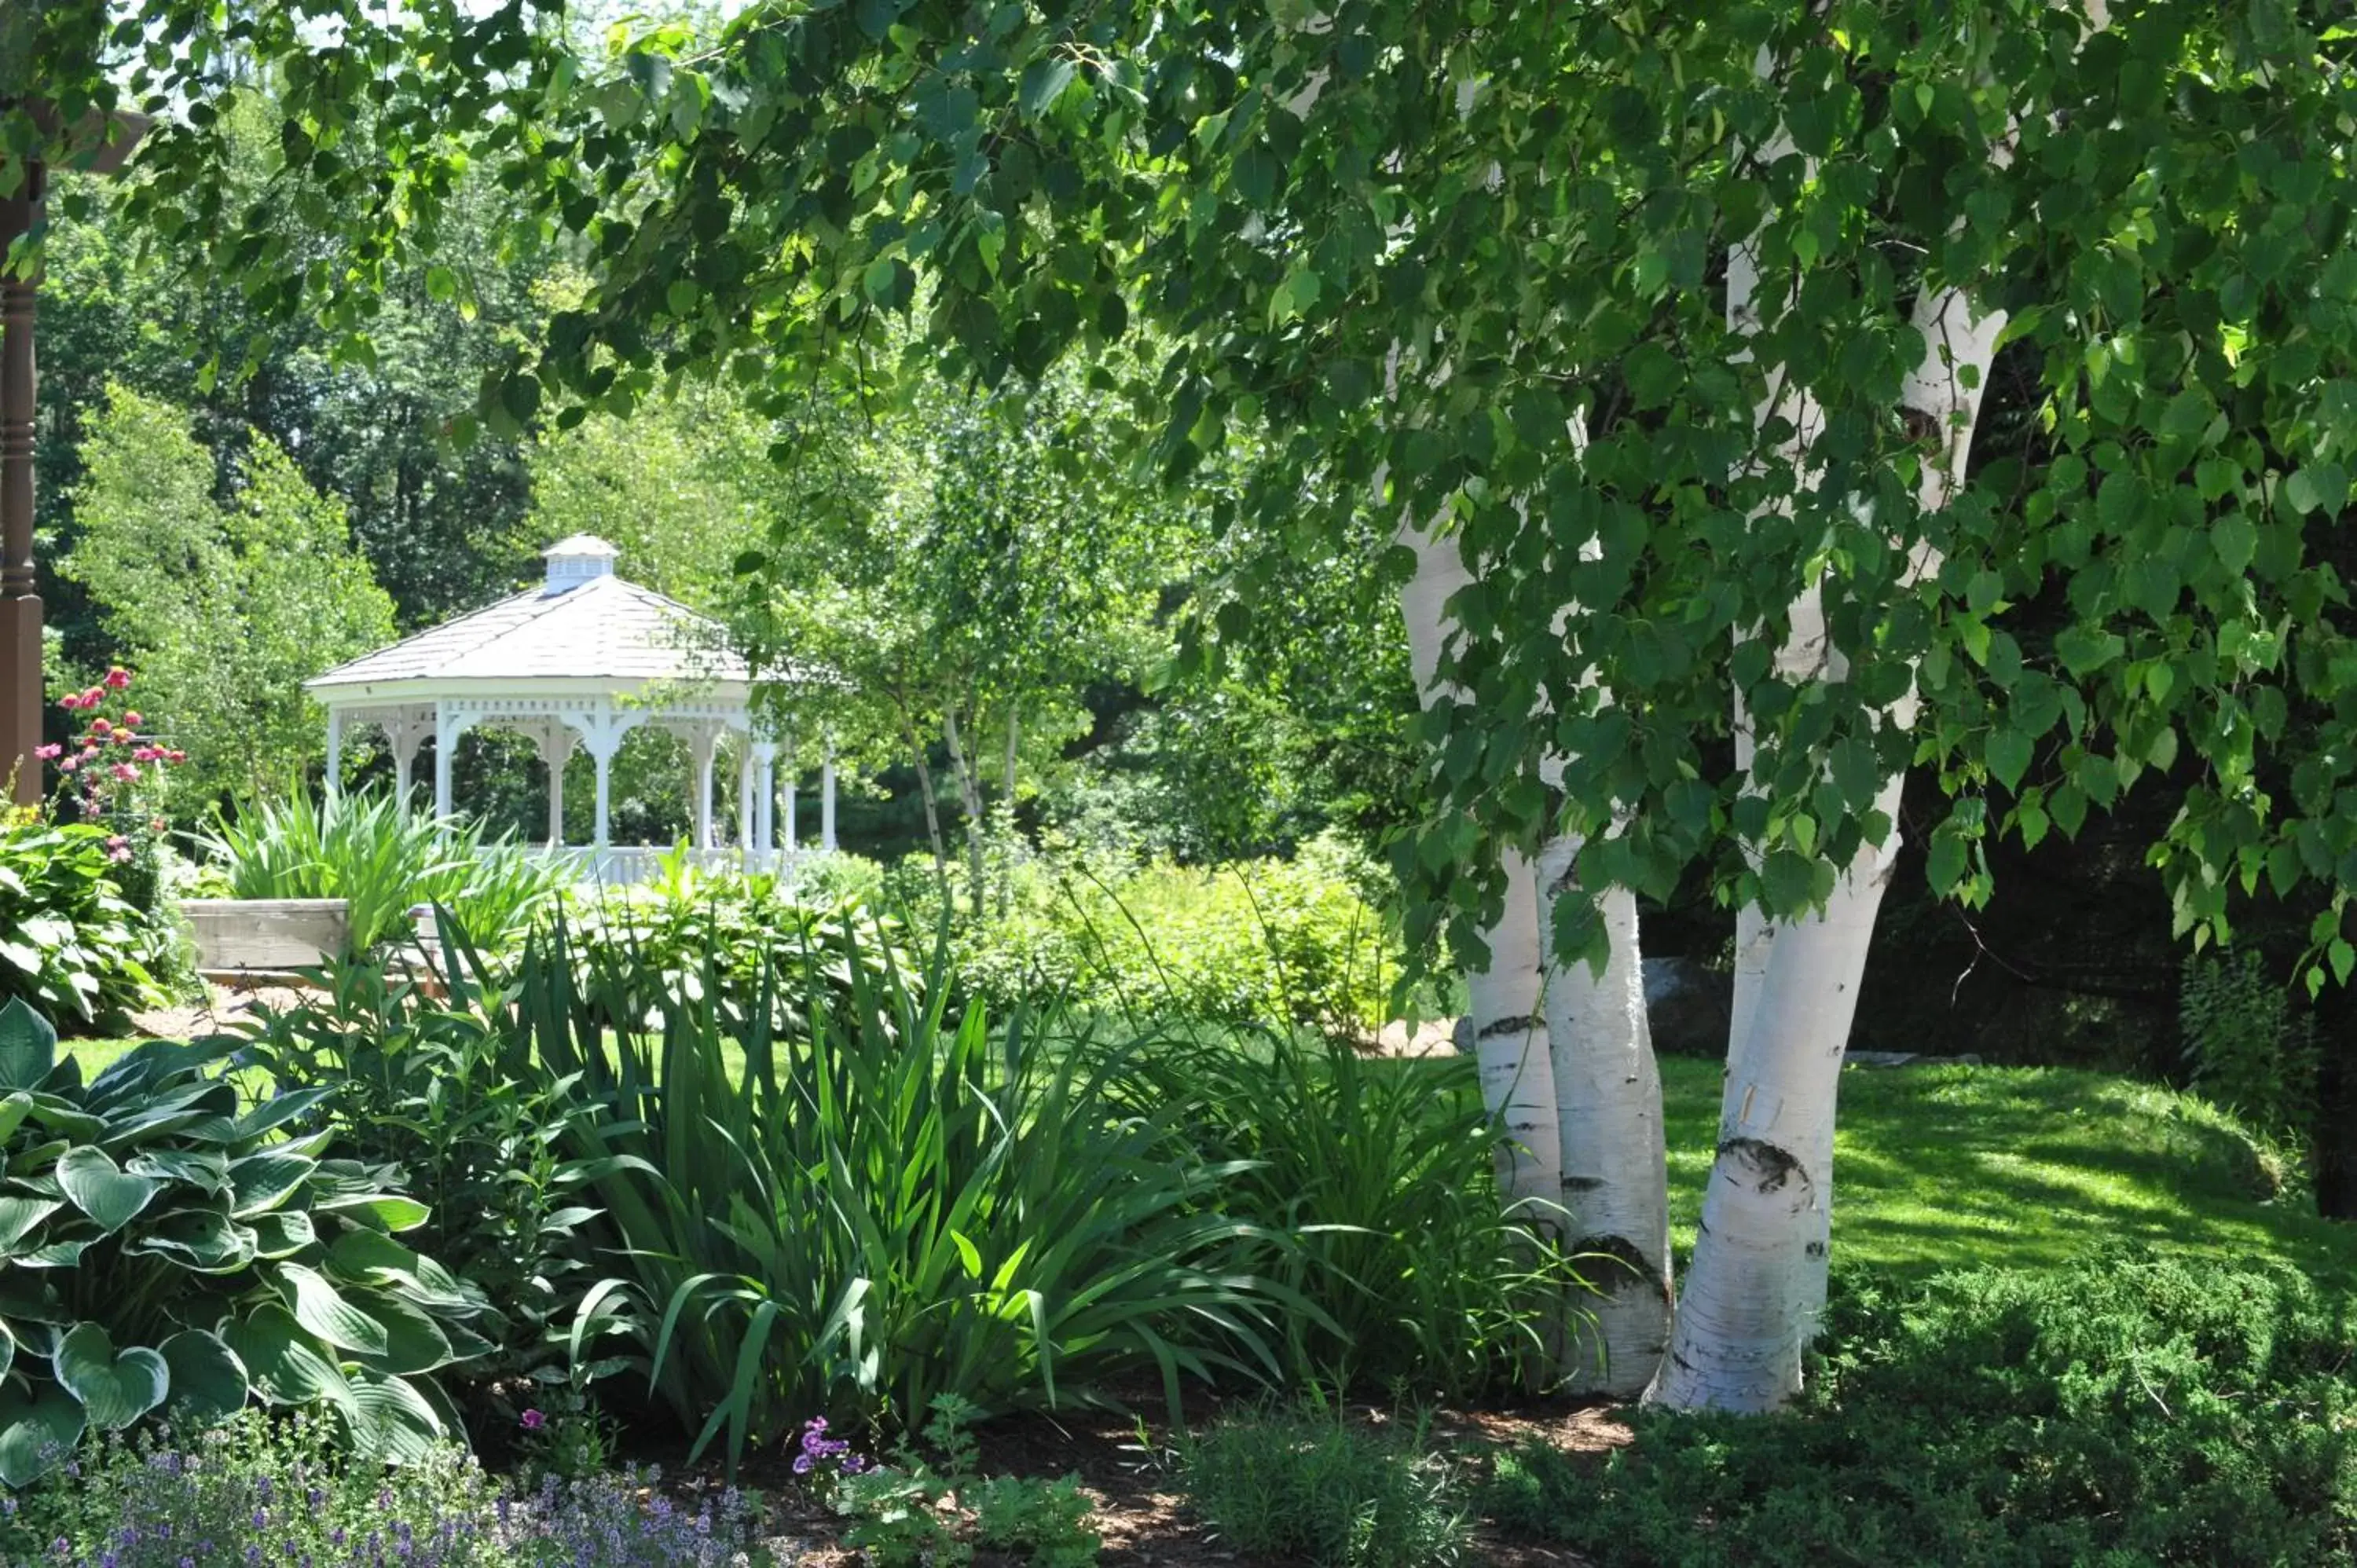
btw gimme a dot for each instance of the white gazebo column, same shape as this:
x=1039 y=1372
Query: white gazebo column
x=702 y=742
x=764 y=833
x=335 y=752
x=826 y=800
x=449 y=723
x=404 y=732
x=555 y=741
x=745 y=806
x=792 y=796
x=601 y=730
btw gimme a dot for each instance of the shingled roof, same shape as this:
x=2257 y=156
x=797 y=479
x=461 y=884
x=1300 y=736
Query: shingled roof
x=582 y=624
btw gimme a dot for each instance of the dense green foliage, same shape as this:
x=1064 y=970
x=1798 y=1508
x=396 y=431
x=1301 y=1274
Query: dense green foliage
x=421 y=1084
x=1304 y=940
x=168 y=1252
x=2244 y=1047
x=383 y=857
x=891 y=1205
x=1369 y=1182
x=2118 y=1410
x=223 y=607
x=1305 y=1484
x=70 y=942
x=724 y=935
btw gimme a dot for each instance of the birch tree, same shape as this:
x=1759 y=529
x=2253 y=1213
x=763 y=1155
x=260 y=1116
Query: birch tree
x=2130 y=244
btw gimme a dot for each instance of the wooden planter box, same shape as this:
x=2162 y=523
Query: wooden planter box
x=267 y=934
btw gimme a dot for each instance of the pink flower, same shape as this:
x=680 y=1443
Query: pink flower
x=125 y=771
x=89 y=752
x=146 y=754
x=101 y=726
x=118 y=855
x=155 y=824
x=93 y=697
x=49 y=753
x=117 y=677
x=125 y=737
x=69 y=764
x=70 y=702
x=116 y=841
x=132 y=720
x=533 y=1421
x=176 y=755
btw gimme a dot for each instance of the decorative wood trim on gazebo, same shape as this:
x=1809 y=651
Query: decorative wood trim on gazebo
x=582 y=660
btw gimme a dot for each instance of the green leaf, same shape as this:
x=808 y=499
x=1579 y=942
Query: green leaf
x=100 y=1189
x=1044 y=82
x=394 y=1421
x=115 y=1389
x=37 y=1429
x=2008 y=756
x=415 y=1343
x=284 y=1364
x=28 y=1045
x=282 y=1234
x=19 y=1215
x=207 y=1380
x=204 y=1239
x=320 y=1308
x=378 y=1210
x=2318 y=486
x=259 y=1183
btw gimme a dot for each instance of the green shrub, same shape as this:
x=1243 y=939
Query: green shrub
x=167 y=1252
x=1294 y=942
x=890 y=1206
x=2121 y=1411
x=384 y=858
x=687 y=928
x=71 y=944
x=1303 y=1484
x=2247 y=1048
x=1370 y=1186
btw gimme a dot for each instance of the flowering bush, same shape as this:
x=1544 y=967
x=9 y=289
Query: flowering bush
x=253 y=1492
x=108 y=770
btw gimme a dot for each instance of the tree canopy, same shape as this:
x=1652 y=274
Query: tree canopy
x=1409 y=243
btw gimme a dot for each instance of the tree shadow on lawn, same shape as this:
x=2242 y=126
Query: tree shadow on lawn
x=1946 y=1166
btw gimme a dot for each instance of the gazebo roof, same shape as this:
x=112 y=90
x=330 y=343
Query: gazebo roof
x=583 y=623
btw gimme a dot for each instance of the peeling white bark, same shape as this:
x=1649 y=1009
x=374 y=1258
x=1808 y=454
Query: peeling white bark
x=1615 y=1174
x=1503 y=1010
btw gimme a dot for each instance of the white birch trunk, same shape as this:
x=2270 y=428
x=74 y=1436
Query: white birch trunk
x=1503 y=1009
x=1758 y=1286
x=1615 y=1174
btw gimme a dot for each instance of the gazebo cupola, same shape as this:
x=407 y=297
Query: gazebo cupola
x=580 y=660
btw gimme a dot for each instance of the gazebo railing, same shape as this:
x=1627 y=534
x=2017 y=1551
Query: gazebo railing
x=624 y=865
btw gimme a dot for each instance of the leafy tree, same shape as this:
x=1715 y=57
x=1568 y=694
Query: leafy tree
x=958 y=574
x=225 y=608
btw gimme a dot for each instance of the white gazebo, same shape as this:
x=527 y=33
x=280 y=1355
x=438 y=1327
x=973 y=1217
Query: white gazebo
x=580 y=661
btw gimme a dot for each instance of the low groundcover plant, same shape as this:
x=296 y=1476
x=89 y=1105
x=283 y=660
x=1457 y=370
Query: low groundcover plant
x=254 y=1492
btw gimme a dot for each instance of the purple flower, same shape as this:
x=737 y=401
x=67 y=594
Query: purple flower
x=802 y=1464
x=533 y=1421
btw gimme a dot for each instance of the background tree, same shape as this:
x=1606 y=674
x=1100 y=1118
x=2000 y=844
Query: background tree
x=224 y=607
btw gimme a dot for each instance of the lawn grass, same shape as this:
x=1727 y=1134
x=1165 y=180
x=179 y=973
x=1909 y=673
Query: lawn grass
x=1938 y=1167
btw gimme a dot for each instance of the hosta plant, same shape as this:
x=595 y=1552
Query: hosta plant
x=168 y=1251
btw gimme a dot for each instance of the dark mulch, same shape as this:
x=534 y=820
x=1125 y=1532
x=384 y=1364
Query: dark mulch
x=1145 y=1523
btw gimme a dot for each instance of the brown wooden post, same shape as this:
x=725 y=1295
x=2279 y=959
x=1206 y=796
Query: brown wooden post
x=21 y=603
